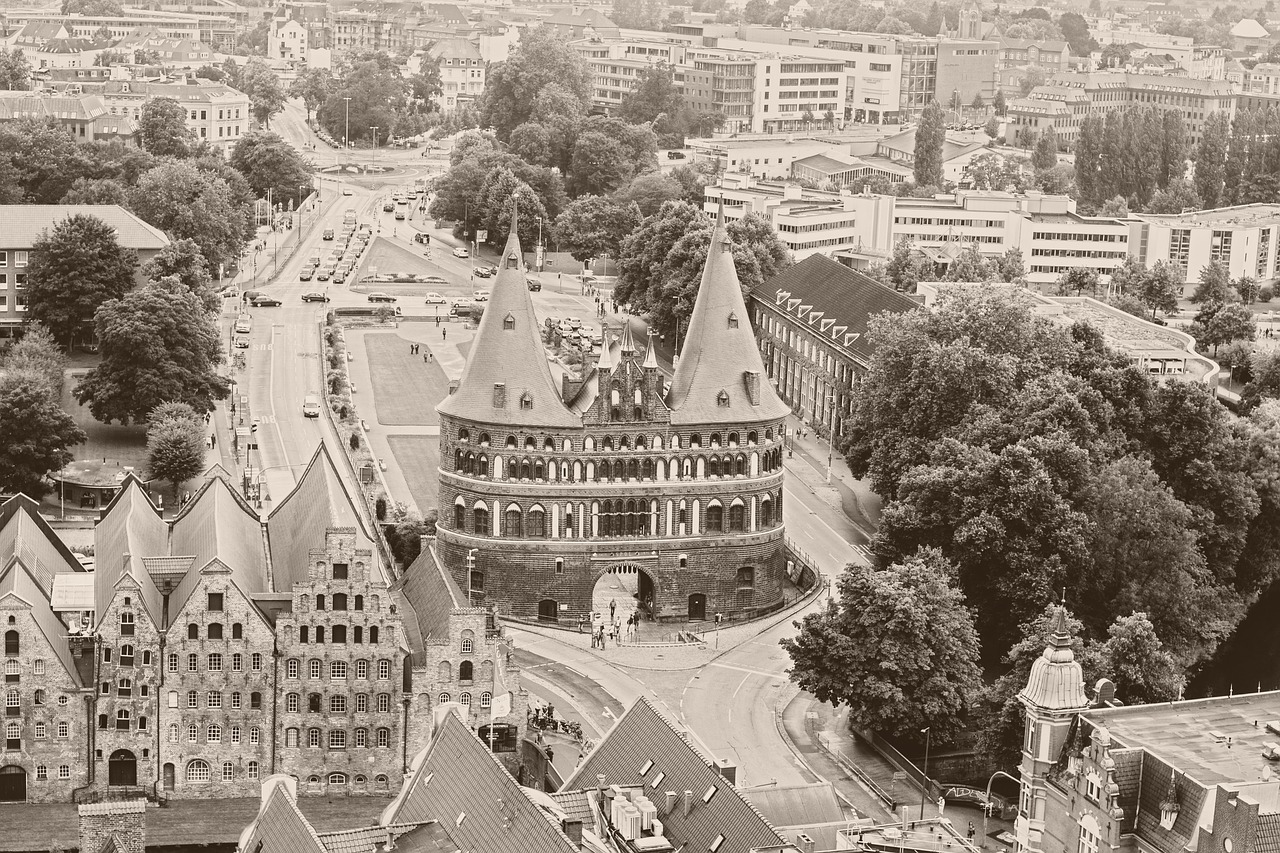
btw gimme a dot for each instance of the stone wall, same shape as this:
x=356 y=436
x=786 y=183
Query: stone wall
x=125 y=820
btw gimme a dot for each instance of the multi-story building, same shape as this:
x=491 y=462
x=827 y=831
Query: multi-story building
x=1068 y=98
x=84 y=116
x=206 y=652
x=356 y=31
x=23 y=224
x=1246 y=238
x=296 y=29
x=616 y=64
x=216 y=30
x=462 y=72
x=616 y=485
x=811 y=322
x=216 y=113
x=1050 y=55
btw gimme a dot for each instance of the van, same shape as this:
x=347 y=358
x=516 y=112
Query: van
x=349 y=217
x=311 y=406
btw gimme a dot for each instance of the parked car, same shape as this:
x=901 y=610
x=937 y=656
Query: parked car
x=266 y=302
x=480 y=295
x=324 y=274
x=314 y=296
x=379 y=296
x=461 y=252
x=434 y=298
x=534 y=284
x=492 y=269
x=242 y=343
x=460 y=308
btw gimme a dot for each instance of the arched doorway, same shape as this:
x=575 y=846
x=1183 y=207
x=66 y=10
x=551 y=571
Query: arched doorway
x=122 y=768
x=626 y=586
x=548 y=610
x=13 y=784
x=168 y=776
x=697 y=607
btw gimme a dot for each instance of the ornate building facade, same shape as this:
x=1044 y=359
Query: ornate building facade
x=208 y=652
x=619 y=487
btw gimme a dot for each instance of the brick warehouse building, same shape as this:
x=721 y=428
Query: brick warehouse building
x=619 y=487
x=208 y=652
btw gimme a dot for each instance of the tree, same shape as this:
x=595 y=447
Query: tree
x=272 y=166
x=426 y=86
x=1214 y=285
x=1211 y=158
x=189 y=203
x=1247 y=288
x=73 y=270
x=1032 y=77
x=15 y=70
x=600 y=164
x=313 y=86
x=1135 y=659
x=159 y=345
x=1128 y=304
x=1115 y=207
x=1224 y=324
x=992 y=128
x=540 y=59
x=1046 y=154
x=594 y=227
x=654 y=96
x=1076 y=32
x=261 y=84
x=163 y=128
x=1173 y=147
x=999 y=104
x=899 y=648
x=182 y=259
x=1265 y=383
x=372 y=93
x=37 y=432
x=1160 y=287
x=97 y=191
x=636 y=14
x=978 y=105
x=1079 y=281
x=650 y=191
x=37 y=355
x=1177 y=197
x=970 y=265
x=91 y=8
x=1088 y=151
x=930 y=136
x=175 y=444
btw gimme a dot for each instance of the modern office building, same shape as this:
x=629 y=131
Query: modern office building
x=1246 y=238
x=666 y=497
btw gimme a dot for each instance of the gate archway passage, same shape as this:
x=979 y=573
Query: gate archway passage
x=122 y=768
x=13 y=784
x=628 y=586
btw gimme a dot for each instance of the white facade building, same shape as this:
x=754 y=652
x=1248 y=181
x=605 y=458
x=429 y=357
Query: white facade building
x=1244 y=237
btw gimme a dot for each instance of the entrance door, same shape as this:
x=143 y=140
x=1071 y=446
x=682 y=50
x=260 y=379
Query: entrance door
x=626 y=587
x=13 y=784
x=122 y=768
x=168 y=777
x=548 y=610
x=697 y=607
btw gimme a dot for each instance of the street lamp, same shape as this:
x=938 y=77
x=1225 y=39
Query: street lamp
x=346 y=132
x=831 y=430
x=924 y=783
x=374 y=129
x=986 y=805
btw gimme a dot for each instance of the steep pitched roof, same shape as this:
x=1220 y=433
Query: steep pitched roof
x=280 y=826
x=1248 y=28
x=712 y=382
x=24 y=533
x=429 y=837
x=432 y=592
x=17 y=580
x=461 y=784
x=507 y=352
x=641 y=736
x=24 y=223
x=218 y=524
x=319 y=501
x=835 y=292
x=130 y=527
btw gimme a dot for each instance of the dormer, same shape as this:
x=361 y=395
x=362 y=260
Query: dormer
x=513 y=260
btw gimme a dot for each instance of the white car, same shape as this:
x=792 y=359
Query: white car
x=461 y=252
x=480 y=295
x=434 y=298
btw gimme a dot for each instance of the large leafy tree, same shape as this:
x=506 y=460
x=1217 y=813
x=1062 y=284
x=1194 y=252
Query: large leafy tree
x=313 y=86
x=1045 y=155
x=189 y=203
x=37 y=432
x=930 y=135
x=175 y=444
x=1211 y=157
x=1160 y=287
x=97 y=191
x=262 y=85
x=898 y=647
x=15 y=70
x=159 y=345
x=74 y=269
x=594 y=226
x=540 y=59
x=182 y=259
x=371 y=93
x=272 y=166
x=163 y=128
x=655 y=98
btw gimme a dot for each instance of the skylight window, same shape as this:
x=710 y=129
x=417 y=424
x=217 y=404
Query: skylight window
x=711 y=792
x=644 y=771
x=715 y=845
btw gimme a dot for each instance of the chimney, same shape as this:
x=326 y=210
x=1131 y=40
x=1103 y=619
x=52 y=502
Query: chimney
x=805 y=843
x=573 y=829
x=499 y=395
x=727 y=770
x=125 y=820
x=671 y=802
x=688 y=803
x=600 y=782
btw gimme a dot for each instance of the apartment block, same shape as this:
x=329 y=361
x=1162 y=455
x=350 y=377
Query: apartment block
x=462 y=72
x=216 y=113
x=217 y=31
x=1246 y=238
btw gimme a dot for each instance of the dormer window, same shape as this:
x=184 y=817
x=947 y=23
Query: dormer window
x=508 y=323
x=526 y=401
x=513 y=261
x=733 y=320
x=722 y=399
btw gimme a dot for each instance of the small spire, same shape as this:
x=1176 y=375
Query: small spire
x=651 y=360
x=628 y=344
x=1061 y=638
x=606 y=357
x=515 y=210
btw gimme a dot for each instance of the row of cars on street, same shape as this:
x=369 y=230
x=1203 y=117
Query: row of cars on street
x=340 y=265
x=573 y=333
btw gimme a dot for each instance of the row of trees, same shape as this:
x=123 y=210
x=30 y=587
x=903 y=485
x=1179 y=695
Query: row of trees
x=1031 y=458
x=369 y=90
x=1136 y=153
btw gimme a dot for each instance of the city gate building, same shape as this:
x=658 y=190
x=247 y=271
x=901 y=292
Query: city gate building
x=619 y=487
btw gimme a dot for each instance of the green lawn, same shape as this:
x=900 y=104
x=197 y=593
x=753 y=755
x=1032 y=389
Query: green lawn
x=419 y=459
x=405 y=390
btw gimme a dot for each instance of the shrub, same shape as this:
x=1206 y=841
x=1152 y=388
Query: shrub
x=1266 y=293
x=355 y=441
x=380 y=508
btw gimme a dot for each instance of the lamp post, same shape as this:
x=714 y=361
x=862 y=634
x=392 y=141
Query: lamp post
x=346 y=131
x=986 y=806
x=831 y=428
x=374 y=129
x=924 y=783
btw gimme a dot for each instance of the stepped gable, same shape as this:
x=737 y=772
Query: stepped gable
x=507 y=380
x=299 y=523
x=129 y=533
x=719 y=376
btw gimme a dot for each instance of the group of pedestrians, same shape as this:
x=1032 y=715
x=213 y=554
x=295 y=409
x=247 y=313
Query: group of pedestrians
x=613 y=628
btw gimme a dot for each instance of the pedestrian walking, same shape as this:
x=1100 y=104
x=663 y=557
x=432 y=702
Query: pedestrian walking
x=410 y=349
x=602 y=646
x=617 y=630
x=444 y=334
x=426 y=358
x=972 y=831
x=613 y=606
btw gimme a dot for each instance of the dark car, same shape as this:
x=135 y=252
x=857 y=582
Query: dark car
x=378 y=296
x=534 y=284
x=328 y=234
x=675 y=155
x=314 y=297
x=483 y=272
x=388 y=207
x=306 y=274
x=266 y=302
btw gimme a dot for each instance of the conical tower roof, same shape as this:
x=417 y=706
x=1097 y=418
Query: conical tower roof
x=507 y=380
x=720 y=377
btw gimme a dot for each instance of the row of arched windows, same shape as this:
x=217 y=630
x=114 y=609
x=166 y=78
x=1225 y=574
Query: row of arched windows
x=338 y=703
x=466 y=671
x=338 y=669
x=624 y=442
x=215 y=631
x=541 y=469
x=623 y=517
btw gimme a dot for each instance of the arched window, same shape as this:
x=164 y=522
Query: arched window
x=124 y=687
x=213 y=734
x=126 y=624
x=339 y=634
x=359 y=603
x=482 y=465
x=511 y=442
x=193 y=631
x=740 y=465
x=468 y=642
x=215 y=630
x=122 y=720
x=536 y=525
x=733 y=439
x=766 y=507
x=126 y=655
x=715 y=439
x=320 y=602
x=339 y=601
x=313 y=703
x=484 y=439
x=337 y=779
x=466 y=671
x=444 y=672
x=512 y=518
x=459 y=523
x=633 y=469
x=464 y=434
x=715 y=519
x=480 y=520
x=737 y=516
x=198 y=771
x=465 y=699
x=486 y=699
x=237 y=631
x=303 y=634
x=442 y=698
x=608 y=443
x=713 y=467
x=751 y=437
x=373 y=634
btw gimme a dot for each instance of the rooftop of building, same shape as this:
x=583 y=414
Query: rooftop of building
x=1244 y=215
x=1218 y=739
x=1133 y=80
x=23 y=224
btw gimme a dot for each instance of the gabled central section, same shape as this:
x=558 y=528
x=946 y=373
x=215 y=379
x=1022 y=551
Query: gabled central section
x=507 y=379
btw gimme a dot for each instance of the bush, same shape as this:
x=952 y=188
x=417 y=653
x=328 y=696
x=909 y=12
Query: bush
x=343 y=412
x=355 y=441
x=1266 y=293
x=380 y=508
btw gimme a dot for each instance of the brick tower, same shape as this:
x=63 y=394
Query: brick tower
x=627 y=490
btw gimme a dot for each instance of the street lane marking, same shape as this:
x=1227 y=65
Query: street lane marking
x=749 y=671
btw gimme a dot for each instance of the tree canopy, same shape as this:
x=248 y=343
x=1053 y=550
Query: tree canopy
x=38 y=432
x=163 y=128
x=175 y=444
x=931 y=134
